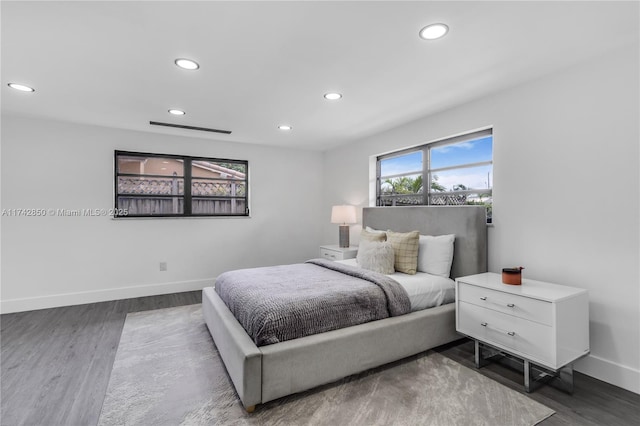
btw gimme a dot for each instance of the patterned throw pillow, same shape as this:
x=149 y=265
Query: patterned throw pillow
x=376 y=256
x=405 y=246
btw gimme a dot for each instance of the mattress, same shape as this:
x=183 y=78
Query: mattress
x=424 y=290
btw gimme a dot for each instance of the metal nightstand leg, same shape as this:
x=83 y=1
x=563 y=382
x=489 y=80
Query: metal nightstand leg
x=532 y=381
x=485 y=354
x=561 y=379
x=534 y=376
x=564 y=379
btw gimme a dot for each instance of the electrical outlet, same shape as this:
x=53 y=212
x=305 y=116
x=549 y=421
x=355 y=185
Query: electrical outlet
x=163 y=266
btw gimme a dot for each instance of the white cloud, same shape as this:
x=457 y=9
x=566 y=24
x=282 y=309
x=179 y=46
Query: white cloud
x=447 y=148
x=470 y=180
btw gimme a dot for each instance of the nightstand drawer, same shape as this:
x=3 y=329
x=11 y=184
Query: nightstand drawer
x=512 y=304
x=334 y=252
x=512 y=333
x=330 y=254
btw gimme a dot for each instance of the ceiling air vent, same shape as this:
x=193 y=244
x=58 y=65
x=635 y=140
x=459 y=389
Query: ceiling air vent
x=181 y=126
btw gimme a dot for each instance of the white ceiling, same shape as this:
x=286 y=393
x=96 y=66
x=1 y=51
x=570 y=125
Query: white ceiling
x=269 y=63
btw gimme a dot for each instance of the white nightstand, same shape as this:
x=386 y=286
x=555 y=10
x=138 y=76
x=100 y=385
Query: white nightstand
x=541 y=323
x=334 y=252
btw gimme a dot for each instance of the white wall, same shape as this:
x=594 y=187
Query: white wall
x=566 y=189
x=54 y=261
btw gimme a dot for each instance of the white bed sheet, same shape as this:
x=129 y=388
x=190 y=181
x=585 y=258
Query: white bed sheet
x=424 y=290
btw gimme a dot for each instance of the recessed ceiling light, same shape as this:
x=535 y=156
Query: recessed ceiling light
x=332 y=96
x=187 y=64
x=21 y=87
x=284 y=127
x=176 y=112
x=433 y=31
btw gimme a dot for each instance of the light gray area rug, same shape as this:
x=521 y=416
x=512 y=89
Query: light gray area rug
x=167 y=371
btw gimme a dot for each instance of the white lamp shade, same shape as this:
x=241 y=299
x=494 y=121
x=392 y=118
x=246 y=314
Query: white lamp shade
x=343 y=214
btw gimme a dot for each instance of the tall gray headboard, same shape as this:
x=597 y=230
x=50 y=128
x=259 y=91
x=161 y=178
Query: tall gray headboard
x=468 y=223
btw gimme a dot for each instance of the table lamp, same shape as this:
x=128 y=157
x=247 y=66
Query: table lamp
x=343 y=215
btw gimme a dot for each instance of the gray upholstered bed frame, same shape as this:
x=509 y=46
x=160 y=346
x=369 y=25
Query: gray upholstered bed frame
x=262 y=374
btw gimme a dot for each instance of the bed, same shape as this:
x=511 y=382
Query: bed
x=261 y=374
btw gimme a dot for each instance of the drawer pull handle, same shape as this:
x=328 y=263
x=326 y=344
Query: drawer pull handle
x=510 y=305
x=484 y=324
x=511 y=333
x=483 y=298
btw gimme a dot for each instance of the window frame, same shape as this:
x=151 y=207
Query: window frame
x=427 y=172
x=187 y=177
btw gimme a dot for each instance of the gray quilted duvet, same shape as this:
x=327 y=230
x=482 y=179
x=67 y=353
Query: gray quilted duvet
x=279 y=303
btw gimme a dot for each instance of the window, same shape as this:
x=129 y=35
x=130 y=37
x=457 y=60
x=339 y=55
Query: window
x=459 y=171
x=160 y=185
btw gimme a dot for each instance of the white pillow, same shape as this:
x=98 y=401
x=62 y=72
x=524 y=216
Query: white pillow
x=376 y=256
x=372 y=236
x=374 y=231
x=435 y=254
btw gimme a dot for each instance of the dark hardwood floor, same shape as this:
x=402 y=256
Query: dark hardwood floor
x=593 y=402
x=56 y=363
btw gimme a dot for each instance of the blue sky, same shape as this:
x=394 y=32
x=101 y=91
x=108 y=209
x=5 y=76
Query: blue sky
x=450 y=155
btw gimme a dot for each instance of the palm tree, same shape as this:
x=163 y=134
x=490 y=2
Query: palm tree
x=435 y=186
x=416 y=185
x=409 y=185
x=405 y=185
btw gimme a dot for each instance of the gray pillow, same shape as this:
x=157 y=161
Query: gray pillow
x=377 y=256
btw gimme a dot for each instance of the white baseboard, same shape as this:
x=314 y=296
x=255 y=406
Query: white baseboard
x=619 y=375
x=80 y=298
